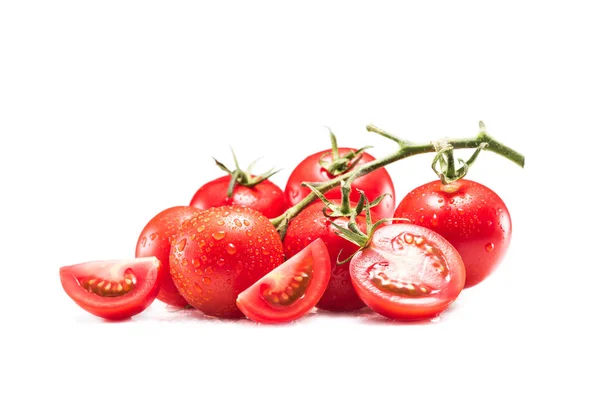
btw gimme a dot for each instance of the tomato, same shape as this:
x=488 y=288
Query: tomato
x=113 y=289
x=373 y=184
x=407 y=272
x=469 y=215
x=155 y=240
x=219 y=253
x=291 y=290
x=265 y=197
x=311 y=224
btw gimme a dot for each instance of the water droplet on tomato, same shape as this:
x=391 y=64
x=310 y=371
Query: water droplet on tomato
x=198 y=288
x=489 y=247
x=144 y=240
x=248 y=233
x=195 y=262
x=184 y=262
x=208 y=271
x=422 y=218
x=181 y=244
x=451 y=201
x=153 y=236
x=206 y=280
x=237 y=223
x=231 y=249
x=434 y=220
x=461 y=211
x=201 y=228
x=440 y=200
x=489 y=223
x=218 y=235
x=220 y=262
x=204 y=258
x=246 y=222
x=226 y=213
x=220 y=222
x=265 y=251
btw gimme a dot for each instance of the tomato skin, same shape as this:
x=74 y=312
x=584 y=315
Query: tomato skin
x=469 y=215
x=147 y=272
x=265 y=197
x=311 y=224
x=219 y=253
x=410 y=263
x=258 y=309
x=155 y=240
x=373 y=184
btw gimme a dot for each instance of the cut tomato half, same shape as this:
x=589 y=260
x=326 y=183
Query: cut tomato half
x=291 y=290
x=113 y=289
x=408 y=272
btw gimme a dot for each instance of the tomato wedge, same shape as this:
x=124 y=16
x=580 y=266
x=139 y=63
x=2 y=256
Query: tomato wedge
x=291 y=290
x=113 y=289
x=408 y=272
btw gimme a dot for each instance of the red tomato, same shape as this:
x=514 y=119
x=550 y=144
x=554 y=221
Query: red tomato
x=373 y=184
x=311 y=224
x=407 y=272
x=469 y=215
x=113 y=289
x=265 y=197
x=155 y=240
x=291 y=290
x=219 y=253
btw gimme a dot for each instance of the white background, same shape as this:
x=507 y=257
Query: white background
x=110 y=112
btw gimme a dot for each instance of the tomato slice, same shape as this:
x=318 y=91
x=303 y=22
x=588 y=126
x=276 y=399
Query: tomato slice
x=113 y=289
x=291 y=290
x=408 y=272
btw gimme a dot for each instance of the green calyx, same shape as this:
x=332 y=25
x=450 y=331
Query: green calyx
x=243 y=177
x=444 y=164
x=340 y=164
x=352 y=233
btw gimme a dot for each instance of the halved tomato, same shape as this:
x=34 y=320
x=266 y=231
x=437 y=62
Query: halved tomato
x=113 y=289
x=291 y=290
x=408 y=272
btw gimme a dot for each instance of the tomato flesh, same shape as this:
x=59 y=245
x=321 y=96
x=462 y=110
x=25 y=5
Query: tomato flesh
x=113 y=289
x=291 y=290
x=407 y=272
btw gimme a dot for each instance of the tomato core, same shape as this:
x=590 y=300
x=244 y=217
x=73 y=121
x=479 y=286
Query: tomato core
x=109 y=288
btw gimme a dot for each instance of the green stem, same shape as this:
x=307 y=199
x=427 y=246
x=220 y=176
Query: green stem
x=406 y=149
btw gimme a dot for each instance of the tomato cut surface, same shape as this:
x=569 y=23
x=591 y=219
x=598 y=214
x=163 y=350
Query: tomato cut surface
x=291 y=290
x=408 y=272
x=113 y=289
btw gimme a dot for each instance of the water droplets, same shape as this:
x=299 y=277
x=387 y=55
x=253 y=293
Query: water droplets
x=181 y=244
x=246 y=222
x=208 y=271
x=434 y=220
x=195 y=262
x=220 y=262
x=231 y=249
x=237 y=222
x=201 y=228
x=461 y=211
x=218 y=235
x=206 y=280
x=153 y=236
x=198 y=288
x=489 y=247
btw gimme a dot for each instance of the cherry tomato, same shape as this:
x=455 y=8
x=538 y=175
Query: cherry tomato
x=155 y=240
x=291 y=290
x=407 y=272
x=219 y=253
x=311 y=224
x=469 y=215
x=265 y=197
x=373 y=184
x=113 y=289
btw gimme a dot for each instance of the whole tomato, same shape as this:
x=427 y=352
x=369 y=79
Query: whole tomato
x=472 y=217
x=155 y=240
x=318 y=167
x=241 y=188
x=220 y=252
